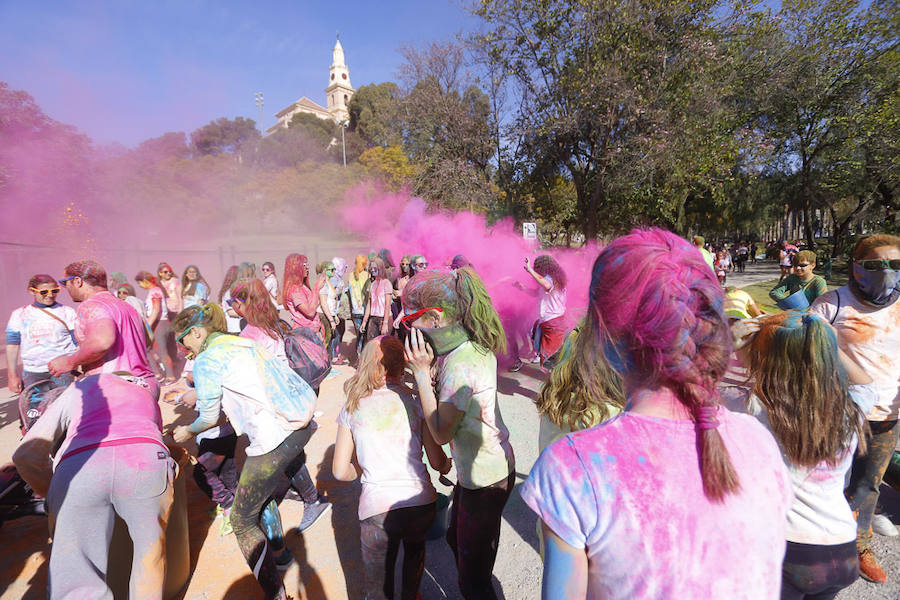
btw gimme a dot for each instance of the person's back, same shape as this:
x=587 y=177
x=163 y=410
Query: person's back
x=643 y=538
x=128 y=352
x=387 y=431
x=106 y=410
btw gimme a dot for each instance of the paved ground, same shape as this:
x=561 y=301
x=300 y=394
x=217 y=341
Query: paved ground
x=329 y=552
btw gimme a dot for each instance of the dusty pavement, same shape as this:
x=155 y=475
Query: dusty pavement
x=328 y=554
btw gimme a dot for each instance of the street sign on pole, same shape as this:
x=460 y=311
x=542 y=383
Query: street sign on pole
x=529 y=231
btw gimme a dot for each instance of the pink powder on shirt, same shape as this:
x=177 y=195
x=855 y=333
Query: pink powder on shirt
x=128 y=352
x=630 y=492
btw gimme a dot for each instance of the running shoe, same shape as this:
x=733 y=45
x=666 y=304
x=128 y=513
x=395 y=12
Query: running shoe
x=284 y=560
x=515 y=368
x=869 y=567
x=883 y=526
x=312 y=512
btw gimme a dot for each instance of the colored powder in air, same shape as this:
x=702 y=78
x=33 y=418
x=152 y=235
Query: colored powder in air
x=405 y=225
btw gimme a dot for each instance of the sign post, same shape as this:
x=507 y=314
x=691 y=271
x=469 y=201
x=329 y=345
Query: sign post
x=529 y=231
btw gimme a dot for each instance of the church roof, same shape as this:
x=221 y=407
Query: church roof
x=303 y=102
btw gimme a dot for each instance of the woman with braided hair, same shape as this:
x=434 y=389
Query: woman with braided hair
x=452 y=317
x=675 y=497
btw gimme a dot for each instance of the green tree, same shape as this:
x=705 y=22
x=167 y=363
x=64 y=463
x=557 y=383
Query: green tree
x=623 y=99
x=373 y=114
x=232 y=136
x=822 y=63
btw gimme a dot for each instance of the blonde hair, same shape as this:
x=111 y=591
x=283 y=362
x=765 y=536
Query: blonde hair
x=382 y=358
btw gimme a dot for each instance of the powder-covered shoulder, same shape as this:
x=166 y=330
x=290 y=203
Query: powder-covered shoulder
x=825 y=305
x=560 y=492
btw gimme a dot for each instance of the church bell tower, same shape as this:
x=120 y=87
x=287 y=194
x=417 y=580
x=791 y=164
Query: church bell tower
x=339 y=90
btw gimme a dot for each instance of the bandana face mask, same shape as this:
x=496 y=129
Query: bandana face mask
x=877 y=287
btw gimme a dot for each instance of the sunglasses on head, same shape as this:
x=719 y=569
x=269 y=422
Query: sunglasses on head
x=69 y=278
x=877 y=264
x=231 y=301
x=411 y=318
x=45 y=292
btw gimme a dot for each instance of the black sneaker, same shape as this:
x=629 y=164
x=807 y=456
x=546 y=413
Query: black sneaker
x=312 y=512
x=517 y=366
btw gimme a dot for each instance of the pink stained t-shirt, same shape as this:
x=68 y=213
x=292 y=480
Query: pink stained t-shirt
x=274 y=345
x=379 y=290
x=128 y=352
x=302 y=295
x=630 y=492
x=387 y=428
x=552 y=303
x=101 y=410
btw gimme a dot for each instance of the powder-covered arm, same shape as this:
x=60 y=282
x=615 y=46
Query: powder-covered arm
x=32 y=457
x=100 y=335
x=565 y=568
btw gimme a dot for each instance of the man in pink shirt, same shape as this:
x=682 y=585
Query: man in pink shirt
x=109 y=332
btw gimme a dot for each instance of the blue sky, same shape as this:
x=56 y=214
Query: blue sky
x=127 y=70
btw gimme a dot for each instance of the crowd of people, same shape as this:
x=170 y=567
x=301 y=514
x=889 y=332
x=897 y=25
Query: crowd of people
x=692 y=445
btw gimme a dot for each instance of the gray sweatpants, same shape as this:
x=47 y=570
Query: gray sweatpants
x=86 y=492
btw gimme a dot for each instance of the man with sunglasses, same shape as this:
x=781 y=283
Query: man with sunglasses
x=39 y=332
x=109 y=332
x=866 y=315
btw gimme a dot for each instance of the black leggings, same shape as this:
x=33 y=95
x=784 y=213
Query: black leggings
x=380 y=537
x=474 y=534
x=260 y=478
x=813 y=572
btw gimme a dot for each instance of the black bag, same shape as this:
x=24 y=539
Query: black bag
x=306 y=354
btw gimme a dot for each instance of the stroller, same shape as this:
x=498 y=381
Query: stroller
x=17 y=499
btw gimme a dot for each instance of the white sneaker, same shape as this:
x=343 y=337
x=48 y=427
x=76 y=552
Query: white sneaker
x=883 y=526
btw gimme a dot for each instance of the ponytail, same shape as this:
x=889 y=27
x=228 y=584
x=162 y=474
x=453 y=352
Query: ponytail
x=477 y=312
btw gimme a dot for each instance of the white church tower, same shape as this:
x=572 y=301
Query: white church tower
x=339 y=90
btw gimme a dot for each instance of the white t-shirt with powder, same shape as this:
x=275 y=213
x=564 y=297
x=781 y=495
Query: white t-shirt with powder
x=387 y=430
x=553 y=302
x=871 y=337
x=156 y=293
x=820 y=513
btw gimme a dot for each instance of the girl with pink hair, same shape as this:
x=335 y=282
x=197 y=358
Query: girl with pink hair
x=676 y=497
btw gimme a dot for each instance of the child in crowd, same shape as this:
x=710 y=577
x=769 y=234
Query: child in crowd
x=383 y=424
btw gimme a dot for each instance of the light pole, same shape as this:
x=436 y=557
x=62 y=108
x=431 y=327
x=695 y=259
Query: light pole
x=343 y=145
x=259 y=104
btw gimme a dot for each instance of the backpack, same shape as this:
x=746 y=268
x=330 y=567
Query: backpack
x=306 y=354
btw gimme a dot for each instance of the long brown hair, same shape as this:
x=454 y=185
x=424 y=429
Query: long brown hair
x=257 y=306
x=188 y=286
x=801 y=383
x=381 y=359
x=230 y=278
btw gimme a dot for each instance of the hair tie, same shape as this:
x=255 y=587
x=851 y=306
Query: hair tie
x=706 y=417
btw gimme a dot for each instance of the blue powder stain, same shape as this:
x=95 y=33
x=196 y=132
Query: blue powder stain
x=641 y=459
x=610 y=458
